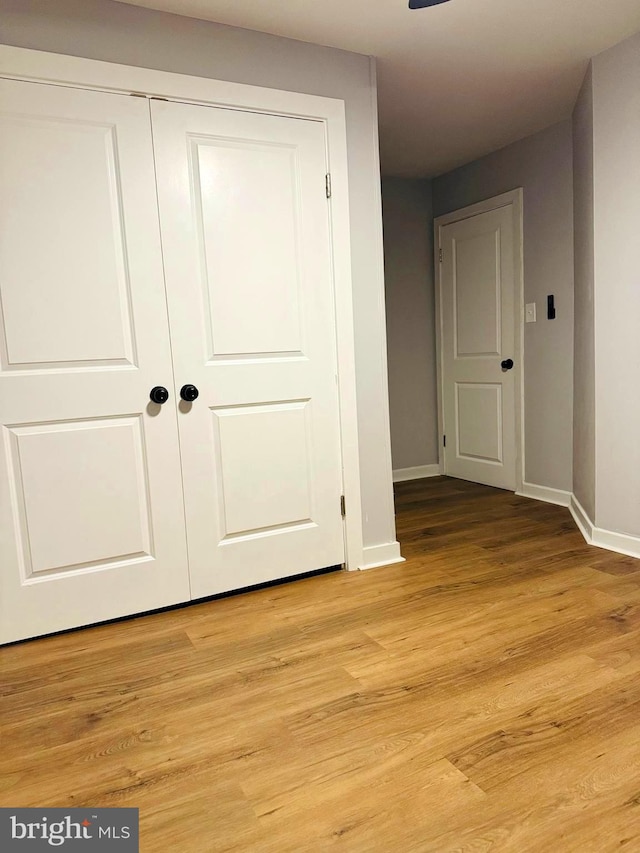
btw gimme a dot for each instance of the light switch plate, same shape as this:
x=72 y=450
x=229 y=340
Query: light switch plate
x=530 y=312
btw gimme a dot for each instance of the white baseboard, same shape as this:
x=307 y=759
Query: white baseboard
x=585 y=525
x=546 y=494
x=376 y=556
x=400 y=475
x=621 y=543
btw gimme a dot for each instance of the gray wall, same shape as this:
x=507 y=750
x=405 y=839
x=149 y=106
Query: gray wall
x=542 y=165
x=408 y=264
x=616 y=151
x=115 y=32
x=584 y=410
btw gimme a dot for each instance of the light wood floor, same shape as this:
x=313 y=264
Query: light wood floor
x=483 y=696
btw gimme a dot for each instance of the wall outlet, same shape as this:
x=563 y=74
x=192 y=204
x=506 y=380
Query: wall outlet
x=530 y=312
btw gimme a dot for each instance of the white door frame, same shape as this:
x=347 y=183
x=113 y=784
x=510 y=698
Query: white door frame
x=58 y=69
x=512 y=199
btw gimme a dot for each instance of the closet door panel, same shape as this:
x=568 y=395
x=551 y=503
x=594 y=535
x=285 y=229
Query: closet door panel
x=91 y=510
x=245 y=232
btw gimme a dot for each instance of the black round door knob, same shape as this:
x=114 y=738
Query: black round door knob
x=507 y=364
x=159 y=395
x=189 y=393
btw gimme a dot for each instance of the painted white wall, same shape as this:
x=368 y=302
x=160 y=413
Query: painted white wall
x=115 y=32
x=410 y=301
x=542 y=165
x=616 y=211
x=584 y=409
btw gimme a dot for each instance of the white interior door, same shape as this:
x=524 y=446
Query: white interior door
x=91 y=511
x=477 y=299
x=245 y=231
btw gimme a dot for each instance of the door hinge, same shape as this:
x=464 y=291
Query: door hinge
x=440 y=255
x=444 y=440
x=327 y=184
x=343 y=508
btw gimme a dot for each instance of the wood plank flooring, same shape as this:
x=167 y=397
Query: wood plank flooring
x=482 y=696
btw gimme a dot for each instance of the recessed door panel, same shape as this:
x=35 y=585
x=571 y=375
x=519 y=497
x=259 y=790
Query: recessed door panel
x=245 y=221
x=81 y=493
x=479 y=421
x=91 y=508
x=265 y=469
x=64 y=281
x=242 y=287
x=477 y=294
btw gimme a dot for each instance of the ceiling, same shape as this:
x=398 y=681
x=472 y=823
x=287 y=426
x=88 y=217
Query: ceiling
x=455 y=81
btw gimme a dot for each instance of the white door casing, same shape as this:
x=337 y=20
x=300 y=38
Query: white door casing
x=480 y=304
x=91 y=517
x=246 y=243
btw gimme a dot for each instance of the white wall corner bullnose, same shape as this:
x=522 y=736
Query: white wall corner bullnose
x=545 y=493
x=376 y=556
x=418 y=472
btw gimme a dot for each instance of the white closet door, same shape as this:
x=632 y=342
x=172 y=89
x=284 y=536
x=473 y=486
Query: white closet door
x=245 y=232
x=91 y=510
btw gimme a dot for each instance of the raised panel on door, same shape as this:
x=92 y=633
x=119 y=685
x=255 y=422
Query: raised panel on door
x=91 y=508
x=477 y=304
x=252 y=442
x=245 y=232
x=478 y=422
x=66 y=523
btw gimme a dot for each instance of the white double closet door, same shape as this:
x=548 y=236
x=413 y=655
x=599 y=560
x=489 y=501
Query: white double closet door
x=146 y=243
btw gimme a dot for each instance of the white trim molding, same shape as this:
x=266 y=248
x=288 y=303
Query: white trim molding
x=621 y=543
x=376 y=556
x=585 y=525
x=546 y=494
x=419 y=472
